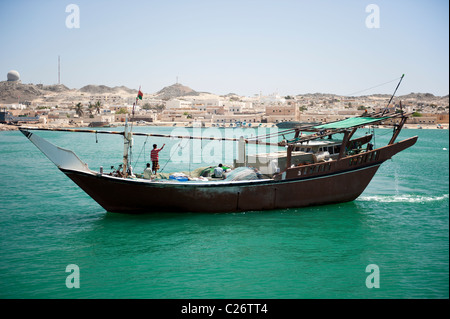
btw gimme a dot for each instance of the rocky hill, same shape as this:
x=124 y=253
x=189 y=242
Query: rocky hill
x=420 y=96
x=175 y=90
x=12 y=92
x=102 y=89
x=53 y=88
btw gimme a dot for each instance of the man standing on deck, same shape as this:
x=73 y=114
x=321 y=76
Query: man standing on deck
x=154 y=156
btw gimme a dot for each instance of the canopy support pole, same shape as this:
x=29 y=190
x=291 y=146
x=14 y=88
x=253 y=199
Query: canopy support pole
x=397 y=129
x=347 y=136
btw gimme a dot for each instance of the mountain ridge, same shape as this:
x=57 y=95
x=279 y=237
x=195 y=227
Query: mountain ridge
x=12 y=92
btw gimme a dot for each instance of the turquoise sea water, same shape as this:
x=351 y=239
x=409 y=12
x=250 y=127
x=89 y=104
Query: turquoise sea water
x=400 y=224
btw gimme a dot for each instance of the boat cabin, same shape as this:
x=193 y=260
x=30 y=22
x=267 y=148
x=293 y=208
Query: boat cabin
x=333 y=147
x=304 y=153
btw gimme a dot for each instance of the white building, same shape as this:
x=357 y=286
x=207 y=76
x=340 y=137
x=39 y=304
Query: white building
x=15 y=106
x=127 y=107
x=248 y=118
x=176 y=104
x=106 y=98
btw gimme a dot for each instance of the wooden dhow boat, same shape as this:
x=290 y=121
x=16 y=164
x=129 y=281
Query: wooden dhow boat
x=312 y=169
x=306 y=174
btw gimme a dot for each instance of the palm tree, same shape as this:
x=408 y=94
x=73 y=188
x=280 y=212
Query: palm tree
x=79 y=109
x=90 y=108
x=97 y=106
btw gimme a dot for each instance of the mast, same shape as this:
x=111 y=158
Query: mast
x=386 y=108
x=128 y=136
x=127 y=144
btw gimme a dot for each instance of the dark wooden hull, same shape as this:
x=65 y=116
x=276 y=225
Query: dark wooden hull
x=127 y=196
x=318 y=184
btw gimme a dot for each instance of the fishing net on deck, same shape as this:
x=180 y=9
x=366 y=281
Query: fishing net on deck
x=238 y=174
x=242 y=174
x=195 y=173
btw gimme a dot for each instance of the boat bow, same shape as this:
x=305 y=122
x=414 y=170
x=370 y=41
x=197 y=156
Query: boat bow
x=62 y=158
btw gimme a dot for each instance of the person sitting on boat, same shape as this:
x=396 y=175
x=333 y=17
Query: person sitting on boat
x=118 y=172
x=154 y=156
x=130 y=171
x=218 y=171
x=148 y=172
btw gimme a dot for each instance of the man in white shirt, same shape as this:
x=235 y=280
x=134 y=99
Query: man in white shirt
x=148 y=172
x=218 y=171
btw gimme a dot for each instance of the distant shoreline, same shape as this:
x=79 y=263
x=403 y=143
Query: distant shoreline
x=6 y=127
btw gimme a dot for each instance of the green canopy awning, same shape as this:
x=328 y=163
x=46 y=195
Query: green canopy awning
x=351 y=122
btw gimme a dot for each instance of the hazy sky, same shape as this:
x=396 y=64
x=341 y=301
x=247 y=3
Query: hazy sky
x=245 y=47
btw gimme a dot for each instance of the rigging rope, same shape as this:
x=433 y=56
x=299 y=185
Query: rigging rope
x=266 y=136
x=373 y=87
x=179 y=144
x=142 y=149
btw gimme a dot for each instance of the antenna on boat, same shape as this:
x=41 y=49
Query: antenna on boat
x=385 y=109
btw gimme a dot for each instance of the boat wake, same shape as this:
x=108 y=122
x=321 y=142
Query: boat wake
x=403 y=198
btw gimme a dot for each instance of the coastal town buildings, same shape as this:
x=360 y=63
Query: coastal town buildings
x=277 y=113
x=58 y=105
